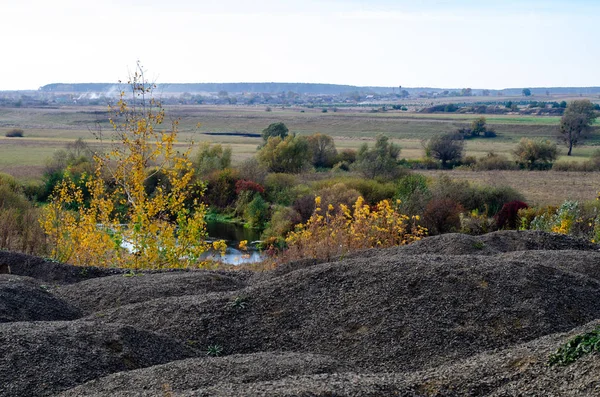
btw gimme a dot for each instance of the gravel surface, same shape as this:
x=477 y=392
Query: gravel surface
x=26 y=299
x=451 y=315
x=42 y=358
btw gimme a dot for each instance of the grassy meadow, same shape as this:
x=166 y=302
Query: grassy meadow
x=50 y=129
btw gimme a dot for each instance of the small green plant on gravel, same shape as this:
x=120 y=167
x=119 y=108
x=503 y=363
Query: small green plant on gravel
x=239 y=303
x=214 y=350
x=131 y=273
x=478 y=245
x=575 y=348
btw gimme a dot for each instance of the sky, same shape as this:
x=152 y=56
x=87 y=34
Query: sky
x=427 y=43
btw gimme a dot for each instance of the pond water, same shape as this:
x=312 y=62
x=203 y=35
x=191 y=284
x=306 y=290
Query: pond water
x=233 y=234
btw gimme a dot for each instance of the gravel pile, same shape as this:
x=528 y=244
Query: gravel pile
x=26 y=299
x=42 y=358
x=114 y=291
x=451 y=315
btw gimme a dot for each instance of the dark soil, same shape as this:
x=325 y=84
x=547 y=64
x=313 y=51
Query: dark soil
x=451 y=315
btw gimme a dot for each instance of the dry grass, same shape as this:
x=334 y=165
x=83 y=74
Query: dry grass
x=538 y=187
x=50 y=129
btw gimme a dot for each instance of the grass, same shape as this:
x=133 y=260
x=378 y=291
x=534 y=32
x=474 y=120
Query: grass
x=538 y=187
x=50 y=129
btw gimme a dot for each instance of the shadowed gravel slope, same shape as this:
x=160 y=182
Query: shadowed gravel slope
x=26 y=299
x=42 y=358
x=393 y=312
x=114 y=291
x=197 y=373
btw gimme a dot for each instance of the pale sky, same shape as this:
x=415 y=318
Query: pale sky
x=429 y=43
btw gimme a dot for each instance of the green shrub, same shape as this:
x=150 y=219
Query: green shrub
x=10 y=182
x=482 y=198
x=371 y=190
x=413 y=193
x=251 y=170
x=279 y=188
x=282 y=222
x=335 y=195
x=257 y=213
x=15 y=133
x=220 y=190
x=493 y=161
x=211 y=158
x=576 y=347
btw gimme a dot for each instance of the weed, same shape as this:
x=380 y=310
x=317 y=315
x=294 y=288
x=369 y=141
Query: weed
x=239 y=303
x=131 y=273
x=214 y=350
x=479 y=245
x=576 y=348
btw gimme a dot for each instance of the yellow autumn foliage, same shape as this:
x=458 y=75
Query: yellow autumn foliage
x=159 y=230
x=332 y=234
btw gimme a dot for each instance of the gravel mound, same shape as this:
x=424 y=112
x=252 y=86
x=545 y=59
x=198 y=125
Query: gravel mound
x=43 y=358
x=490 y=244
x=586 y=263
x=451 y=315
x=394 y=312
x=113 y=291
x=50 y=271
x=196 y=373
x=517 y=371
x=26 y=299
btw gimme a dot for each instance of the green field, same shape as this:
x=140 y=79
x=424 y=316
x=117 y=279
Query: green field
x=50 y=129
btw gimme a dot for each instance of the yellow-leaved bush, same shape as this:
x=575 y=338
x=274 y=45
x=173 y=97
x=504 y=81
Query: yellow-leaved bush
x=332 y=234
x=120 y=223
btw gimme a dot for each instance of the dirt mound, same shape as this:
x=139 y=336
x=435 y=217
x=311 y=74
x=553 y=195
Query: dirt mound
x=113 y=291
x=491 y=244
x=43 y=358
x=197 y=373
x=393 y=312
x=26 y=299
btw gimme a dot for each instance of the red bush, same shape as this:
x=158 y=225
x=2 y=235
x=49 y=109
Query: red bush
x=245 y=185
x=508 y=216
x=442 y=216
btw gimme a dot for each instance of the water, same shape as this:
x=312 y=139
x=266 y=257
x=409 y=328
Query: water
x=233 y=234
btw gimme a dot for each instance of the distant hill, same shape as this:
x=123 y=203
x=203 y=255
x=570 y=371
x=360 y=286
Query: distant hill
x=300 y=88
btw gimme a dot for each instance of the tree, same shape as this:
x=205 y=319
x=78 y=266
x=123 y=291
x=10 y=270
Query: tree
x=380 y=161
x=478 y=126
x=446 y=148
x=160 y=229
x=526 y=92
x=212 y=158
x=322 y=148
x=576 y=123
x=533 y=154
x=275 y=130
x=290 y=155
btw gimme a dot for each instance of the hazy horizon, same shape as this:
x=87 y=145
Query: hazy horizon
x=384 y=43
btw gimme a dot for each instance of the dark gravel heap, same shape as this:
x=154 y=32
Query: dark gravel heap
x=197 y=373
x=41 y=358
x=26 y=299
x=452 y=315
x=114 y=291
